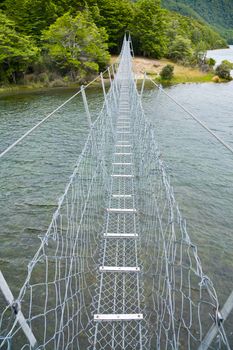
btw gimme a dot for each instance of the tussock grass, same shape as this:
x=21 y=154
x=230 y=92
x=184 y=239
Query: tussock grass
x=182 y=74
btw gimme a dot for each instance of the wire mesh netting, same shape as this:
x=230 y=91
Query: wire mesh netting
x=116 y=268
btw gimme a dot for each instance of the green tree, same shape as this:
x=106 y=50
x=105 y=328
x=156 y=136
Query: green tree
x=17 y=51
x=199 y=54
x=31 y=16
x=180 y=50
x=76 y=45
x=148 y=28
x=115 y=17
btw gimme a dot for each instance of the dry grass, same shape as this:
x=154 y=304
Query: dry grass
x=181 y=74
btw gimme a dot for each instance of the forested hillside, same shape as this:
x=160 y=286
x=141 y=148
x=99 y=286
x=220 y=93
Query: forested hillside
x=218 y=13
x=60 y=41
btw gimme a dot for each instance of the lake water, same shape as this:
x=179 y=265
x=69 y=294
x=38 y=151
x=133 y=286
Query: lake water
x=34 y=175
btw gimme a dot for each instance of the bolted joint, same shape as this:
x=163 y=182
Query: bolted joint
x=219 y=318
x=16 y=307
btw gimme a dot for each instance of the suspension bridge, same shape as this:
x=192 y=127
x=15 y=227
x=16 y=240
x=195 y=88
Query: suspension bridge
x=116 y=268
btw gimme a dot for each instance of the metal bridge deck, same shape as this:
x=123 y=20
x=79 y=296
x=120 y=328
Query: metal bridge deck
x=119 y=296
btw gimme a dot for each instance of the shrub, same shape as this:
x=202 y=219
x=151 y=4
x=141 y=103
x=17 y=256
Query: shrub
x=167 y=72
x=43 y=78
x=211 y=62
x=224 y=71
x=58 y=83
x=228 y=63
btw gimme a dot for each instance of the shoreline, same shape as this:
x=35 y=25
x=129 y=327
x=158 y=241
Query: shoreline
x=40 y=88
x=182 y=75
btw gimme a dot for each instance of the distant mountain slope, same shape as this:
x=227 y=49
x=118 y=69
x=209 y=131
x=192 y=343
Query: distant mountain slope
x=218 y=13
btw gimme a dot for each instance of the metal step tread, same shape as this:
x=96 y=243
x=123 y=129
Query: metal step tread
x=121 y=210
x=121 y=195
x=123 y=132
x=117 y=317
x=122 y=175
x=120 y=235
x=123 y=145
x=119 y=269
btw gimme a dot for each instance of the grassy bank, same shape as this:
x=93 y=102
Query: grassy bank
x=181 y=74
x=40 y=87
x=27 y=88
x=8 y=89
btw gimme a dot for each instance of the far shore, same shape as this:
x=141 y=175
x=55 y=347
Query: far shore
x=40 y=88
x=25 y=89
x=141 y=65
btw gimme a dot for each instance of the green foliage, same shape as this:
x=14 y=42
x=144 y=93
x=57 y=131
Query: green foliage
x=167 y=72
x=211 y=62
x=224 y=70
x=189 y=39
x=17 y=51
x=148 y=28
x=215 y=12
x=228 y=64
x=115 y=17
x=181 y=8
x=71 y=34
x=76 y=45
x=180 y=49
x=31 y=16
x=193 y=30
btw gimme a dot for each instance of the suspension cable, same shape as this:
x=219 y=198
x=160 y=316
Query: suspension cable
x=219 y=139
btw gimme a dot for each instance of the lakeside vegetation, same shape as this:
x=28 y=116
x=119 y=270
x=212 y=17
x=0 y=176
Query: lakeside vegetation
x=152 y=67
x=216 y=13
x=181 y=74
x=58 y=43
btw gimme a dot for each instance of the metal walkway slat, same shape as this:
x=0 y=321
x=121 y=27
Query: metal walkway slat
x=119 y=269
x=118 y=317
x=120 y=235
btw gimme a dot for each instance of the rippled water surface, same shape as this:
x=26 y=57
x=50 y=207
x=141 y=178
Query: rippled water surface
x=34 y=175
